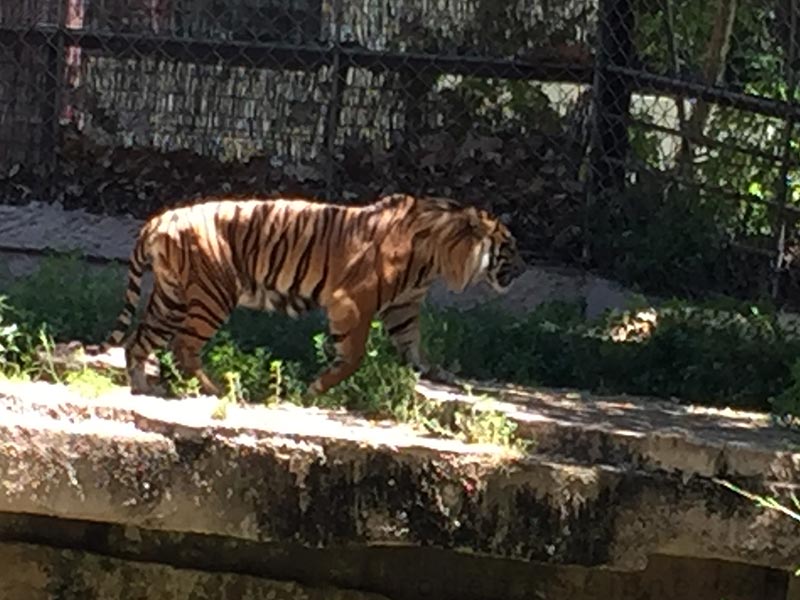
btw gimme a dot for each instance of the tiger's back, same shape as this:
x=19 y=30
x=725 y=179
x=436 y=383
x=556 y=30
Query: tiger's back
x=292 y=255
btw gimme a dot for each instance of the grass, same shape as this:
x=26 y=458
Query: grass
x=725 y=353
x=767 y=503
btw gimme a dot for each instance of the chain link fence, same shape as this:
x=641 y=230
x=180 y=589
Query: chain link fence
x=653 y=140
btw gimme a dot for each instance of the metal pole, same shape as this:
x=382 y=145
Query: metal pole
x=782 y=191
x=332 y=116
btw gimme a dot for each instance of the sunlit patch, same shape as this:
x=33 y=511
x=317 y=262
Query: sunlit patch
x=635 y=327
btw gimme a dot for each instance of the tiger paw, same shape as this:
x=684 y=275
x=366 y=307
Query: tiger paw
x=310 y=395
x=437 y=374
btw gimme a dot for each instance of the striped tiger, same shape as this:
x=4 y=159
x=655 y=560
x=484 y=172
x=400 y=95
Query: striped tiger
x=294 y=255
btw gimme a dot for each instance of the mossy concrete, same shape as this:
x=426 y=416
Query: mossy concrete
x=323 y=479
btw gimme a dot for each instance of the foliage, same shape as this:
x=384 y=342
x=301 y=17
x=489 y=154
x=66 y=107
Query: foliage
x=77 y=302
x=381 y=386
x=496 y=104
x=786 y=404
x=89 y=383
x=717 y=353
x=737 y=172
x=665 y=239
x=19 y=344
x=176 y=385
x=481 y=423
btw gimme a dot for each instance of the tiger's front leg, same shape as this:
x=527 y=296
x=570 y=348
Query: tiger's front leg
x=349 y=329
x=402 y=326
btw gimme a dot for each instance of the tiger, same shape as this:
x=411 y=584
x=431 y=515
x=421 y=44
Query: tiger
x=293 y=255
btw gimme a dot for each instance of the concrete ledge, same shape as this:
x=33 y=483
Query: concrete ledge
x=643 y=433
x=326 y=479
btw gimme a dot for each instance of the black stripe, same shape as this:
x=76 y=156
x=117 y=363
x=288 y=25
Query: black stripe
x=336 y=237
x=422 y=274
x=210 y=319
x=171 y=304
x=393 y=307
x=161 y=331
x=234 y=241
x=301 y=270
x=337 y=338
x=273 y=265
x=407 y=272
x=214 y=293
x=144 y=336
x=328 y=216
x=192 y=333
x=395 y=329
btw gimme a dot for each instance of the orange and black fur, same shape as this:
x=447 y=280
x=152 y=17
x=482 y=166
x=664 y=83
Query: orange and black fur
x=292 y=255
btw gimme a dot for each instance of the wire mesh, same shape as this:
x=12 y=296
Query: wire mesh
x=654 y=140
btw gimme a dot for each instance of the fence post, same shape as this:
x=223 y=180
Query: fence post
x=338 y=84
x=782 y=188
x=54 y=83
x=611 y=105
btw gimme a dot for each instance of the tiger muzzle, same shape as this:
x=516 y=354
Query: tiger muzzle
x=510 y=271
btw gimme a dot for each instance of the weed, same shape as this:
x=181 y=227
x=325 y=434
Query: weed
x=89 y=383
x=381 y=386
x=786 y=405
x=232 y=395
x=721 y=353
x=76 y=302
x=480 y=423
x=176 y=384
x=261 y=377
x=767 y=502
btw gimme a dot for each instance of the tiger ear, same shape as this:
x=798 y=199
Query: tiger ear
x=475 y=224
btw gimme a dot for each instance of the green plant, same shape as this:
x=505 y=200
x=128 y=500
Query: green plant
x=261 y=377
x=478 y=422
x=26 y=351
x=715 y=353
x=786 y=405
x=718 y=353
x=176 y=384
x=76 y=302
x=89 y=383
x=233 y=393
x=12 y=343
x=380 y=386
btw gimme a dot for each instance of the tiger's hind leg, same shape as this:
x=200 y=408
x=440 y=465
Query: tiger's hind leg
x=164 y=313
x=203 y=319
x=187 y=348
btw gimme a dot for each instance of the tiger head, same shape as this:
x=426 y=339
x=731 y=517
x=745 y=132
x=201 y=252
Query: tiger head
x=481 y=248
